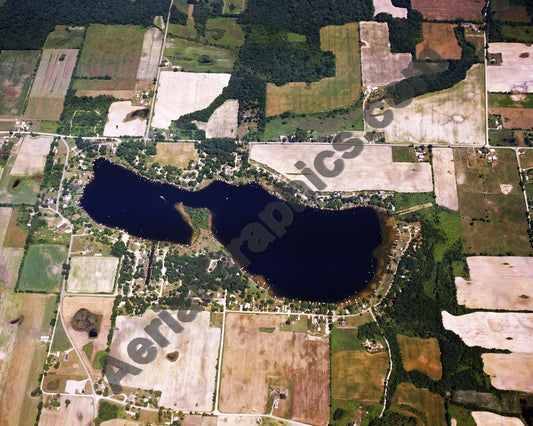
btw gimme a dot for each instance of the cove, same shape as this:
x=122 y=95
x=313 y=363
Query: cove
x=324 y=255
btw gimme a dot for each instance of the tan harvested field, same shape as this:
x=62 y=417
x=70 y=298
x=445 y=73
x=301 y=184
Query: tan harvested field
x=97 y=305
x=180 y=93
x=118 y=123
x=92 y=274
x=386 y=6
x=10 y=260
x=440 y=38
x=187 y=383
x=253 y=359
x=152 y=43
x=80 y=412
x=450 y=10
x=486 y=418
x=455 y=115
x=32 y=155
x=223 y=122
x=510 y=371
x=444 y=174
x=423 y=401
x=5 y=218
x=421 y=355
x=516 y=70
x=176 y=154
x=497 y=283
x=380 y=66
x=373 y=169
x=122 y=422
x=329 y=93
x=359 y=376
x=493 y=330
x=515 y=118
x=44 y=108
x=26 y=348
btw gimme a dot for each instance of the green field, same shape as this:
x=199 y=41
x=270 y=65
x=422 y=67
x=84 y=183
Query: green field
x=520 y=34
x=182 y=31
x=503 y=137
x=16 y=70
x=233 y=6
x=504 y=100
x=65 y=37
x=224 y=31
x=403 y=154
x=41 y=271
x=197 y=57
x=296 y=38
x=17 y=189
x=60 y=342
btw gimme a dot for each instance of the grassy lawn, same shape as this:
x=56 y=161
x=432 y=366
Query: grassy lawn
x=65 y=37
x=42 y=268
x=197 y=57
x=60 y=342
x=224 y=31
x=403 y=154
x=18 y=189
x=48 y=126
x=504 y=100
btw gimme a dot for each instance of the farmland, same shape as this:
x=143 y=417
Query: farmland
x=484 y=289
x=386 y=6
x=373 y=169
x=122 y=121
x=300 y=370
x=176 y=154
x=506 y=100
x=196 y=57
x=330 y=93
x=16 y=70
x=197 y=91
x=92 y=274
x=70 y=368
x=188 y=382
x=441 y=39
x=65 y=37
x=512 y=371
x=79 y=412
x=455 y=115
x=422 y=355
x=425 y=406
x=450 y=10
x=109 y=58
x=514 y=73
x=32 y=155
x=493 y=221
x=225 y=32
x=41 y=271
x=514 y=118
x=223 y=121
x=151 y=49
x=444 y=175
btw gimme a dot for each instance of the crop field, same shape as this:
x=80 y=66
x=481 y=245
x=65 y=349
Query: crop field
x=380 y=66
x=386 y=6
x=196 y=57
x=188 y=382
x=42 y=267
x=493 y=330
x=182 y=31
x=79 y=412
x=295 y=364
x=330 y=93
x=454 y=115
x=514 y=100
x=176 y=154
x=440 y=38
x=488 y=418
x=502 y=283
x=65 y=37
x=32 y=156
x=51 y=84
x=151 y=49
x=492 y=208
x=121 y=122
x=92 y=274
x=512 y=371
x=450 y=10
x=515 y=71
x=180 y=93
x=373 y=169
x=444 y=174
x=425 y=406
x=97 y=305
x=223 y=122
x=16 y=70
x=421 y=355
x=234 y=6
x=521 y=33
x=509 y=11
x=515 y=118
x=111 y=56
x=224 y=31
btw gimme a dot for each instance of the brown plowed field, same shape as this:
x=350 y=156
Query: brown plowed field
x=515 y=118
x=440 y=38
x=469 y=10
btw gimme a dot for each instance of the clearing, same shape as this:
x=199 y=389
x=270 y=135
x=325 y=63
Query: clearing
x=488 y=418
x=426 y=407
x=421 y=355
x=510 y=331
x=454 y=115
x=51 y=84
x=223 y=122
x=79 y=412
x=234 y=6
x=186 y=383
x=41 y=271
x=450 y=10
x=444 y=174
x=287 y=363
x=515 y=71
x=181 y=93
x=330 y=93
x=440 y=38
x=373 y=169
x=176 y=154
x=497 y=283
x=197 y=57
x=510 y=371
x=386 y=6
x=16 y=70
x=122 y=120
x=380 y=66
x=65 y=37
x=151 y=49
x=92 y=274
x=224 y=31
x=32 y=156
